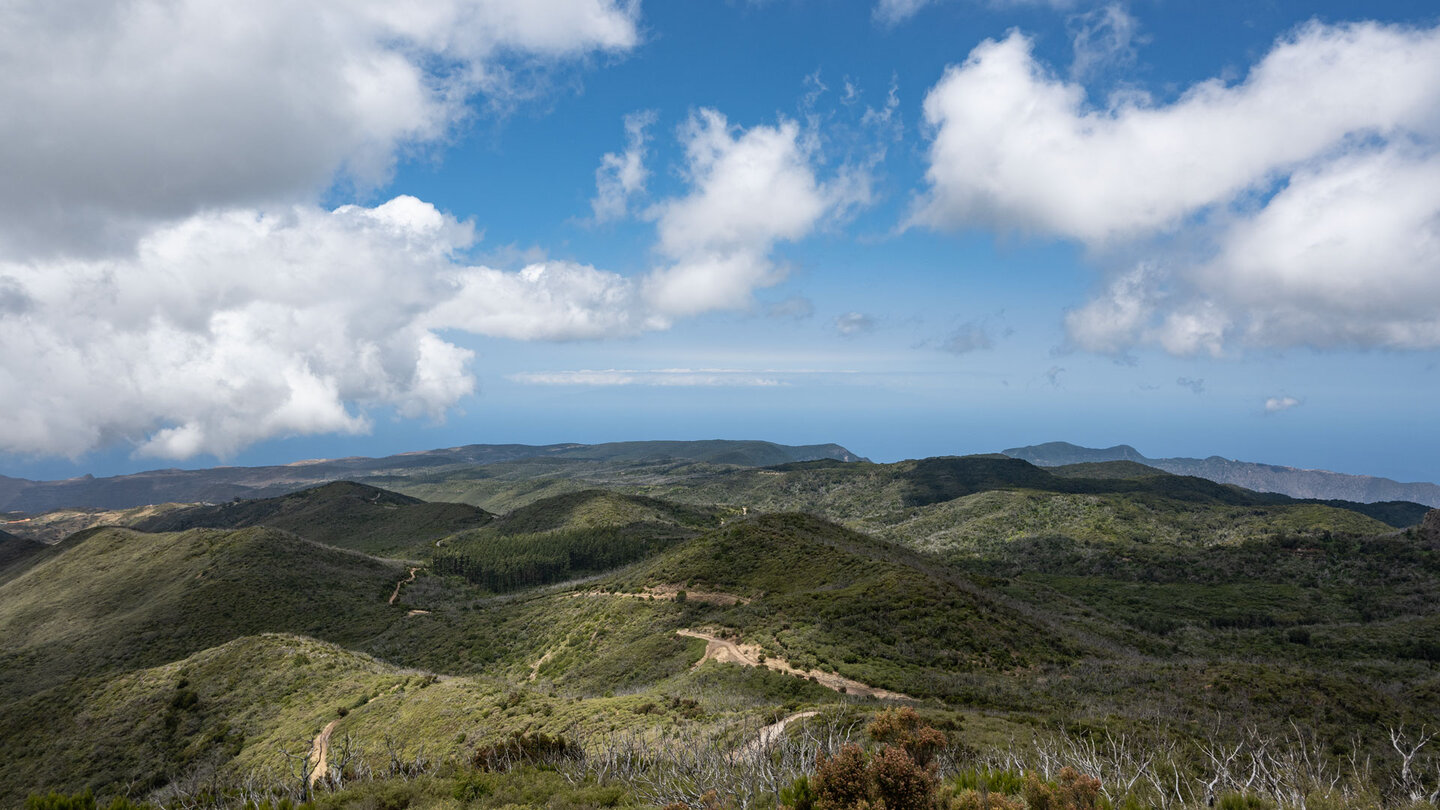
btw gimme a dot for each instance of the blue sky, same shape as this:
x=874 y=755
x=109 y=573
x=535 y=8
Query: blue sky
x=258 y=233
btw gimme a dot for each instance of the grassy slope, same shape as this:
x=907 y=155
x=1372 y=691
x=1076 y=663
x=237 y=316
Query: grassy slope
x=878 y=494
x=343 y=514
x=17 y=554
x=982 y=524
x=251 y=697
x=568 y=536
x=1164 y=600
x=118 y=599
x=830 y=598
x=230 y=706
x=507 y=486
x=1105 y=469
x=56 y=525
x=821 y=595
x=597 y=508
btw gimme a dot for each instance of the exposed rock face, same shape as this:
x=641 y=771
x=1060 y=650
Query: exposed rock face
x=1430 y=529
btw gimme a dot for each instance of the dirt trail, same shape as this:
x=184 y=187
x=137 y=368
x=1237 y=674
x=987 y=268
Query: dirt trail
x=401 y=583
x=535 y=667
x=748 y=655
x=671 y=593
x=320 y=751
x=769 y=734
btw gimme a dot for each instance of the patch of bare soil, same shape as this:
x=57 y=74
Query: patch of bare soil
x=749 y=655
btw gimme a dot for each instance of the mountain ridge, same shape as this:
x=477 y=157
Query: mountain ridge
x=220 y=484
x=1261 y=477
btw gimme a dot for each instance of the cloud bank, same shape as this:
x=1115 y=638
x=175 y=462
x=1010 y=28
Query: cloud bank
x=168 y=281
x=236 y=325
x=122 y=115
x=1299 y=206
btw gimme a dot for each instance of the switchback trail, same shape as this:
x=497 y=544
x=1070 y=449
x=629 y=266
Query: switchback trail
x=748 y=655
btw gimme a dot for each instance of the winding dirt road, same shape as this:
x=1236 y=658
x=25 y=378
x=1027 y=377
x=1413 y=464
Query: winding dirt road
x=748 y=655
x=320 y=752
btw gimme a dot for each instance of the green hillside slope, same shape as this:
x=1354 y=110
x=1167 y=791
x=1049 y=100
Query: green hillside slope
x=228 y=708
x=834 y=599
x=343 y=514
x=17 y=554
x=703 y=601
x=566 y=536
x=117 y=598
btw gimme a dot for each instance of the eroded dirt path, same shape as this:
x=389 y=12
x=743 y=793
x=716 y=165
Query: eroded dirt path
x=320 y=752
x=535 y=667
x=400 y=584
x=671 y=593
x=769 y=734
x=748 y=655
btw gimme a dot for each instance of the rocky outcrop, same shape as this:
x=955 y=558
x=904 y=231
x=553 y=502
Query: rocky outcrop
x=1430 y=529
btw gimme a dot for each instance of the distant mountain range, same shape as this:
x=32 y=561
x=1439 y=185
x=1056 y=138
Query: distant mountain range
x=1292 y=481
x=220 y=484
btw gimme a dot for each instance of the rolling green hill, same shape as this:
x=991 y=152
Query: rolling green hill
x=834 y=599
x=874 y=497
x=342 y=514
x=115 y=599
x=1105 y=469
x=17 y=553
x=230 y=706
x=673 y=601
x=597 y=508
x=566 y=536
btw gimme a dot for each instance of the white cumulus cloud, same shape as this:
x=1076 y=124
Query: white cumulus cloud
x=854 y=323
x=1103 y=37
x=1017 y=146
x=167 y=280
x=751 y=189
x=231 y=327
x=894 y=12
x=1278 y=404
x=622 y=175
x=119 y=115
x=239 y=324
x=1300 y=206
